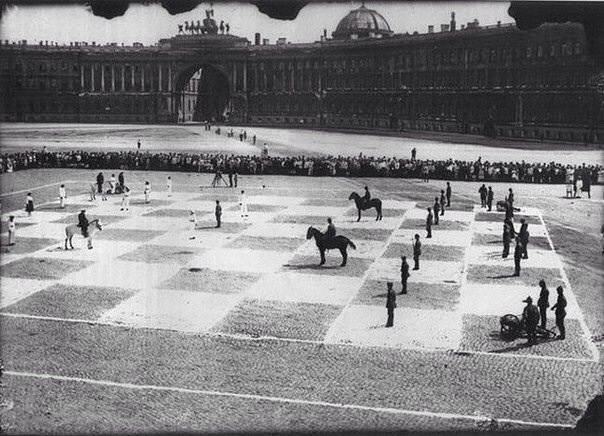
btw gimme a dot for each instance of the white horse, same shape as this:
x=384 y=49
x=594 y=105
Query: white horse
x=73 y=229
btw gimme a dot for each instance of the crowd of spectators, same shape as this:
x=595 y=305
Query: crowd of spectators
x=345 y=166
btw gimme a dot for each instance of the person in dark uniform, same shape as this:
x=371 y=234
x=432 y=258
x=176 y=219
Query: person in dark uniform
x=530 y=320
x=83 y=223
x=523 y=234
x=100 y=179
x=121 y=181
x=483 y=196
x=331 y=230
x=490 y=198
x=448 y=194
x=404 y=274
x=230 y=178
x=218 y=213
x=517 y=256
x=436 y=208
x=413 y=153
x=366 y=197
x=429 y=223
x=417 y=252
x=442 y=202
x=543 y=303
x=390 y=305
x=560 y=308
x=508 y=235
x=511 y=198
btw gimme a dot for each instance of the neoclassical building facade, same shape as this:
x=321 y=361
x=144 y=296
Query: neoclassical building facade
x=490 y=80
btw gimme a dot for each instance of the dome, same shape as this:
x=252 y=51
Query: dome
x=362 y=23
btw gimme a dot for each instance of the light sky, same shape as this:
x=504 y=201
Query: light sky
x=149 y=23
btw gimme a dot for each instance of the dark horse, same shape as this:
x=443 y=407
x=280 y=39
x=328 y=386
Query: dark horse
x=339 y=242
x=360 y=203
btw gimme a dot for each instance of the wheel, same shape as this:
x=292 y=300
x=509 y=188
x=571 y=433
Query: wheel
x=509 y=325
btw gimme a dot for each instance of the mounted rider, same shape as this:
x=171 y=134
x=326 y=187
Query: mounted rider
x=83 y=223
x=366 y=198
x=330 y=233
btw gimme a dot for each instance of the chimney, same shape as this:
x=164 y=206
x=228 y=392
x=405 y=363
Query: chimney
x=444 y=27
x=265 y=41
x=453 y=22
x=498 y=23
x=257 y=38
x=430 y=29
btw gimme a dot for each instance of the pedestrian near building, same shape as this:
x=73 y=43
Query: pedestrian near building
x=518 y=256
x=404 y=274
x=62 y=196
x=436 y=208
x=147 y=192
x=100 y=179
x=12 y=227
x=523 y=234
x=543 y=303
x=29 y=204
x=429 y=220
x=448 y=194
x=243 y=205
x=442 y=202
x=169 y=186
x=530 y=319
x=125 y=198
x=417 y=252
x=390 y=305
x=490 y=198
x=218 y=213
x=560 y=311
x=483 y=195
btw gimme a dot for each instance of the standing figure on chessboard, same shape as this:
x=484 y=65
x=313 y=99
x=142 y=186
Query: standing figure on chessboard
x=62 y=196
x=243 y=205
x=125 y=198
x=147 y=191
x=169 y=186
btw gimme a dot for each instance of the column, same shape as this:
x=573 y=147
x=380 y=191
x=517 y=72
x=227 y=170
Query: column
x=102 y=77
x=292 y=77
x=123 y=73
x=159 y=85
x=143 y=77
x=112 y=78
x=92 y=77
x=82 y=77
x=234 y=77
x=132 y=74
x=170 y=78
x=245 y=77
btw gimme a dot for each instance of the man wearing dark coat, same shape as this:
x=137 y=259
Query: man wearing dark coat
x=530 y=319
x=448 y=194
x=543 y=303
x=429 y=223
x=417 y=251
x=442 y=202
x=518 y=256
x=100 y=179
x=483 y=196
x=436 y=208
x=120 y=180
x=523 y=234
x=331 y=230
x=508 y=235
x=404 y=274
x=390 y=305
x=366 y=197
x=490 y=199
x=218 y=213
x=560 y=308
x=83 y=223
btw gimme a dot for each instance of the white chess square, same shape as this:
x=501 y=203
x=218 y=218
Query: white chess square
x=278 y=230
x=14 y=289
x=275 y=200
x=171 y=310
x=413 y=328
x=232 y=259
x=44 y=230
x=368 y=222
x=306 y=288
x=455 y=238
x=398 y=204
x=155 y=223
x=104 y=250
x=431 y=271
x=193 y=239
x=499 y=300
x=326 y=211
x=122 y=274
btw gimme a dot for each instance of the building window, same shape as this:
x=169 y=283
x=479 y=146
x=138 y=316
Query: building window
x=552 y=50
x=539 y=51
x=578 y=49
x=529 y=52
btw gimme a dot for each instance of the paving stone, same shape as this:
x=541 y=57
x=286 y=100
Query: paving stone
x=431 y=271
x=279 y=319
x=427 y=296
x=72 y=302
x=503 y=275
x=444 y=224
x=161 y=254
x=195 y=279
x=429 y=252
x=260 y=243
